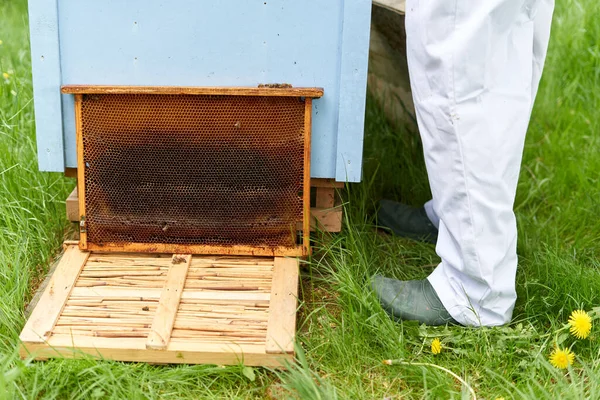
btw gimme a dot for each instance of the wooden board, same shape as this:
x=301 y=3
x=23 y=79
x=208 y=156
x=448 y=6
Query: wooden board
x=178 y=90
x=164 y=319
x=72 y=204
x=281 y=328
x=223 y=315
x=43 y=318
x=306 y=183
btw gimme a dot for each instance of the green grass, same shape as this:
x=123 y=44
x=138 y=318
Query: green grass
x=343 y=333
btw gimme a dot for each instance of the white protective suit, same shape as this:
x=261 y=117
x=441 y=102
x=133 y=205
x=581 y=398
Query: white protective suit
x=474 y=70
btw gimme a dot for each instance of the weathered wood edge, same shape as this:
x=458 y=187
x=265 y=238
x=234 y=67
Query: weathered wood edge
x=168 y=304
x=193 y=90
x=52 y=301
x=281 y=325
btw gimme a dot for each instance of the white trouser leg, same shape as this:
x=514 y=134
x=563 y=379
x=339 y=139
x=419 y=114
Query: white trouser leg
x=474 y=70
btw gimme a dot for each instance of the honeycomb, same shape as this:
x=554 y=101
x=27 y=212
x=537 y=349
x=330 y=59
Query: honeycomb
x=193 y=169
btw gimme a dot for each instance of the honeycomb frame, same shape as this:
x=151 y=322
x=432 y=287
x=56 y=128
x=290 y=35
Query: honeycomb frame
x=195 y=134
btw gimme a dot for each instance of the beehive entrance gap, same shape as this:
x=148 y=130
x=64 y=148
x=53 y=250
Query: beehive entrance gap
x=166 y=309
x=194 y=170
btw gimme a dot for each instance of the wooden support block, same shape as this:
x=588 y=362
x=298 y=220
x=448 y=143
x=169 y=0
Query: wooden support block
x=68 y=243
x=164 y=319
x=71 y=172
x=326 y=182
x=51 y=303
x=281 y=328
x=325 y=197
x=72 y=204
x=326 y=220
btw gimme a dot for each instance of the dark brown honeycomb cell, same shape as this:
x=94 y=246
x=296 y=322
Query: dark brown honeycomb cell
x=193 y=169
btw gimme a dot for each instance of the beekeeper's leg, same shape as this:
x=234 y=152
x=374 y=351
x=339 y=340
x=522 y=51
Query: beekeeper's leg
x=475 y=67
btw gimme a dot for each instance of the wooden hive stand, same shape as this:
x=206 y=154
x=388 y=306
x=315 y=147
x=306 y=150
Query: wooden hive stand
x=166 y=308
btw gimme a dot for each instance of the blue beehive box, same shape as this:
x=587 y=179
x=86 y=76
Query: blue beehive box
x=308 y=43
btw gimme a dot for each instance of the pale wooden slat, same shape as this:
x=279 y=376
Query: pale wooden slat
x=191 y=90
x=164 y=319
x=179 y=351
x=281 y=326
x=306 y=183
x=147 y=294
x=80 y=172
x=46 y=313
x=196 y=249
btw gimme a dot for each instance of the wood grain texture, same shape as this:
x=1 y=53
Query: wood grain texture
x=47 y=77
x=51 y=303
x=326 y=219
x=325 y=197
x=196 y=249
x=72 y=206
x=191 y=90
x=179 y=351
x=164 y=319
x=222 y=317
x=326 y=182
x=80 y=171
x=306 y=197
x=281 y=328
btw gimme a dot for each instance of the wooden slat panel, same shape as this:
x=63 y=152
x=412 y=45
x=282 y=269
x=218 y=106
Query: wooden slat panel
x=281 y=328
x=190 y=90
x=44 y=316
x=164 y=319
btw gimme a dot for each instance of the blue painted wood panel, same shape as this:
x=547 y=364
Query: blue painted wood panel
x=45 y=61
x=232 y=43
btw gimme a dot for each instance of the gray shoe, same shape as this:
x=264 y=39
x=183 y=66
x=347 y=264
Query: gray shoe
x=411 y=300
x=406 y=221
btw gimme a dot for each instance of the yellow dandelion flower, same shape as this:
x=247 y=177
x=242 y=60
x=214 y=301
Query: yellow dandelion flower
x=5 y=75
x=436 y=346
x=499 y=398
x=581 y=324
x=562 y=358
x=1 y=42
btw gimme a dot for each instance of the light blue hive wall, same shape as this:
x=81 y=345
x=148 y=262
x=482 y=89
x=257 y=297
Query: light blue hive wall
x=320 y=43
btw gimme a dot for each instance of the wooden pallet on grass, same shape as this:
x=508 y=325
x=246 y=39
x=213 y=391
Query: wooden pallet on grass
x=166 y=309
